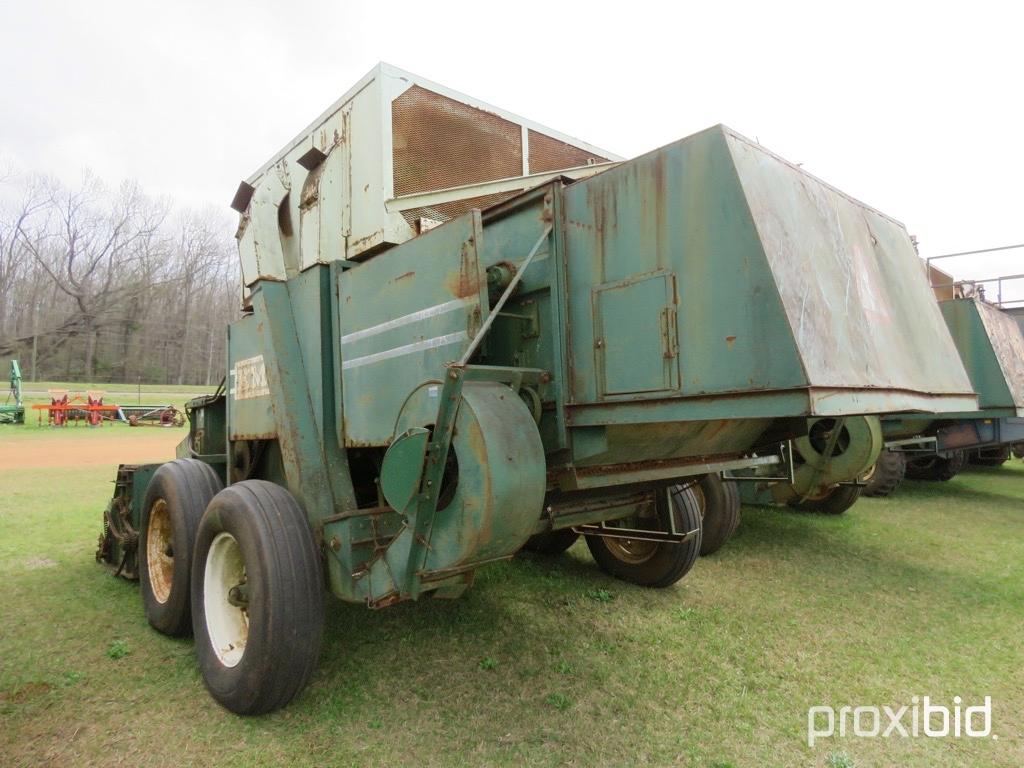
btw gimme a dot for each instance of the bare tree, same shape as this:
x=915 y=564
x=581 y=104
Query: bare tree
x=99 y=285
x=200 y=249
x=13 y=252
x=94 y=239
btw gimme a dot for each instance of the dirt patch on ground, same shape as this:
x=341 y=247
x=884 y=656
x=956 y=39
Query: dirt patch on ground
x=105 y=446
x=25 y=692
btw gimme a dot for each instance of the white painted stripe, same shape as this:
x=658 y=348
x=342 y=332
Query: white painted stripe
x=406 y=349
x=412 y=317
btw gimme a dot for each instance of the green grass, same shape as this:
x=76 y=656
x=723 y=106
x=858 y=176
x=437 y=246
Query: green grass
x=547 y=661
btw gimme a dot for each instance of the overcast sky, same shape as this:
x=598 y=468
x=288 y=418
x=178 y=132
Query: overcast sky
x=916 y=110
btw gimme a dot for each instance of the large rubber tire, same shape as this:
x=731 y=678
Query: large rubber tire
x=834 y=502
x=654 y=564
x=551 y=543
x=720 y=508
x=175 y=500
x=256 y=659
x=886 y=475
x=935 y=467
x=991 y=457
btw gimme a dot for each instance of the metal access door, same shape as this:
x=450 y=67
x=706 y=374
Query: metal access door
x=636 y=340
x=402 y=315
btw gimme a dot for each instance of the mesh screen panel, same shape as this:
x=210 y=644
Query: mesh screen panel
x=438 y=143
x=548 y=154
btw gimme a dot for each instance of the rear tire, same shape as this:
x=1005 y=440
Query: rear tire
x=257 y=593
x=720 y=508
x=886 y=475
x=936 y=467
x=551 y=543
x=648 y=563
x=176 y=498
x=833 y=502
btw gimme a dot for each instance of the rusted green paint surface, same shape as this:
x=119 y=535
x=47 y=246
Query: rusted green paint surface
x=402 y=316
x=779 y=283
x=315 y=466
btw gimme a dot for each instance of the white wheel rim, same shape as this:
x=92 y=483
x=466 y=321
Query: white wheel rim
x=227 y=624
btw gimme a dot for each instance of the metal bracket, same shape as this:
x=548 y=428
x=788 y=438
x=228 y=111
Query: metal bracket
x=830 y=445
x=433 y=473
x=635 y=534
x=520 y=270
x=529 y=317
x=785 y=457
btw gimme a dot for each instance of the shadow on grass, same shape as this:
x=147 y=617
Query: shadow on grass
x=821 y=545
x=925 y=490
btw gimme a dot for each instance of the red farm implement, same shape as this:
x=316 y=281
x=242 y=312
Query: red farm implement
x=64 y=408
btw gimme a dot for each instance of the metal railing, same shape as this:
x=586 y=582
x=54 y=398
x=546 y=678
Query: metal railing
x=979 y=284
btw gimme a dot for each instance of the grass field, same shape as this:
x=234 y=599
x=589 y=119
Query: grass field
x=544 y=661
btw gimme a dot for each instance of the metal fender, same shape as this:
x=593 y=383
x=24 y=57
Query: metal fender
x=493 y=489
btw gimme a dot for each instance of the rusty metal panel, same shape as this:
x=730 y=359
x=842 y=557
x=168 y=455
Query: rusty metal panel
x=250 y=415
x=391 y=136
x=438 y=142
x=548 y=154
x=783 y=283
x=402 y=316
x=849 y=279
x=679 y=210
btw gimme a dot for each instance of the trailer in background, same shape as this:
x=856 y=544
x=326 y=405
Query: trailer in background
x=990 y=344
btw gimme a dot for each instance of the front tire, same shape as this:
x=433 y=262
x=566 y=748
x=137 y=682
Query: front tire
x=649 y=563
x=257 y=595
x=176 y=498
x=834 y=501
x=886 y=475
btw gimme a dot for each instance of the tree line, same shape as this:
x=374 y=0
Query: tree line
x=108 y=284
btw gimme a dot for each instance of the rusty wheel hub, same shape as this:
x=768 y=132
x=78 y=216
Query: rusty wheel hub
x=632 y=551
x=160 y=551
